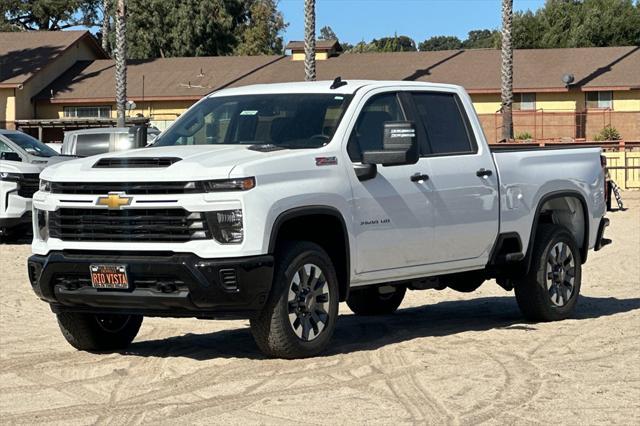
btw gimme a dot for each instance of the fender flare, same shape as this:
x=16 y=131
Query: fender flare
x=309 y=211
x=584 y=250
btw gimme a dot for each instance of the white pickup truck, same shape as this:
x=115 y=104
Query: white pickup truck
x=277 y=202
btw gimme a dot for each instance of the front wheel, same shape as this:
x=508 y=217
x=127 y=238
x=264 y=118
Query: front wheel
x=549 y=292
x=300 y=315
x=99 y=332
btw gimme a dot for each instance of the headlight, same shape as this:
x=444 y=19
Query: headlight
x=10 y=177
x=45 y=185
x=241 y=184
x=226 y=226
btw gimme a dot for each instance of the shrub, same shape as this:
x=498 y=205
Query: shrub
x=524 y=135
x=608 y=133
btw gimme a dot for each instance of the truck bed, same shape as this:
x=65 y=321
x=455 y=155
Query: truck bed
x=527 y=175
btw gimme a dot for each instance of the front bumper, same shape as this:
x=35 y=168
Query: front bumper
x=164 y=284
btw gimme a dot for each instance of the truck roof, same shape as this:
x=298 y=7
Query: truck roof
x=323 y=86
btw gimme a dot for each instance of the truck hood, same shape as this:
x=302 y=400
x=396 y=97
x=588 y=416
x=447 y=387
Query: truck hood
x=195 y=162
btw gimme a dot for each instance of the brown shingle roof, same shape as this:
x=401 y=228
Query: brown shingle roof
x=476 y=70
x=23 y=54
x=180 y=78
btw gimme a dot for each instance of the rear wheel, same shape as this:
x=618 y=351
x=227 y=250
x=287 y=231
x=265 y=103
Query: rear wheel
x=94 y=332
x=550 y=290
x=379 y=300
x=300 y=315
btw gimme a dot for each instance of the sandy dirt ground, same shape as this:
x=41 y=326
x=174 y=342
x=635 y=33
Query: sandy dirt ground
x=443 y=358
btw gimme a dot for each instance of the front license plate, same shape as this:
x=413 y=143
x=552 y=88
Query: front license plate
x=109 y=276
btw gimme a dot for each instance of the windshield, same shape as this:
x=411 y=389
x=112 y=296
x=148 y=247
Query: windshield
x=30 y=144
x=288 y=121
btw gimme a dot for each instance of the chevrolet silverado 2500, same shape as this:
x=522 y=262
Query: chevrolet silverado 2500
x=277 y=202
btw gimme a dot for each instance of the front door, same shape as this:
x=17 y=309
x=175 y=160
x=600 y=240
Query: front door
x=391 y=212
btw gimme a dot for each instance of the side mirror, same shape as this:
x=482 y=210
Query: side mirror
x=399 y=145
x=139 y=135
x=10 y=156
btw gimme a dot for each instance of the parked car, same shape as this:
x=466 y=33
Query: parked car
x=277 y=202
x=22 y=158
x=87 y=142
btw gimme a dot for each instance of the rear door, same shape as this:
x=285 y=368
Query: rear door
x=462 y=191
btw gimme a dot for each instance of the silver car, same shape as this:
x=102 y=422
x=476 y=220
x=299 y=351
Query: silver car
x=87 y=142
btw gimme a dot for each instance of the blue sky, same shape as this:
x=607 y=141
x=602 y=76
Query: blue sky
x=355 y=20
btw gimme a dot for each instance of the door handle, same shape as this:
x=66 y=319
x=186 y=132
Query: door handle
x=418 y=177
x=484 y=173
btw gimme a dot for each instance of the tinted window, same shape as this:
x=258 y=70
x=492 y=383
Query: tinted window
x=447 y=129
x=287 y=120
x=92 y=144
x=368 y=132
x=31 y=145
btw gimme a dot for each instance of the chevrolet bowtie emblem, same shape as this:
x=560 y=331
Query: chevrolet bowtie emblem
x=114 y=200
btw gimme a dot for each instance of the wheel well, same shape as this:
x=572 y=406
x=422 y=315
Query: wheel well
x=568 y=210
x=323 y=228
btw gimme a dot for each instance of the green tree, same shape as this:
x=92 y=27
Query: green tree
x=482 y=39
x=395 y=44
x=160 y=28
x=527 y=30
x=326 y=33
x=573 y=23
x=440 y=43
x=260 y=34
x=51 y=15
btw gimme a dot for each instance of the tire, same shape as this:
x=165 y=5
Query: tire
x=300 y=315
x=549 y=292
x=97 y=333
x=370 y=301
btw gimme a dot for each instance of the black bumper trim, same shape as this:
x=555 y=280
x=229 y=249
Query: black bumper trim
x=173 y=285
x=11 y=222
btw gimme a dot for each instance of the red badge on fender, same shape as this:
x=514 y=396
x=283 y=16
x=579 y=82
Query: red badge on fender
x=326 y=161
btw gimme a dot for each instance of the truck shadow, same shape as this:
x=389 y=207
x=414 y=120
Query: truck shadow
x=354 y=333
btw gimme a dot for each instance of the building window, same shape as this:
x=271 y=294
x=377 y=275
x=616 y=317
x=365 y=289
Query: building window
x=524 y=101
x=87 y=111
x=600 y=100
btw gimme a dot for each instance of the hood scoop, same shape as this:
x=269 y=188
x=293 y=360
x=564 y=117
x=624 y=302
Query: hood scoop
x=265 y=147
x=135 y=162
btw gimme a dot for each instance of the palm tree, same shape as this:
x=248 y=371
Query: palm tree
x=507 y=71
x=105 y=25
x=121 y=62
x=310 y=40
